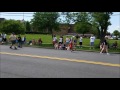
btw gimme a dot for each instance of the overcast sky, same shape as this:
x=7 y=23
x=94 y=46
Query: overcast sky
x=27 y=16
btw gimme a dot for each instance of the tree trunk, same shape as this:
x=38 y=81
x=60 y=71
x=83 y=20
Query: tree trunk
x=98 y=36
x=51 y=31
x=102 y=36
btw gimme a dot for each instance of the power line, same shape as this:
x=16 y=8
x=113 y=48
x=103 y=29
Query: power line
x=32 y=16
x=16 y=13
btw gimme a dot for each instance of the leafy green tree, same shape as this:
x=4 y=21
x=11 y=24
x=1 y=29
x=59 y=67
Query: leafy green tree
x=101 y=20
x=9 y=26
x=116 y=33
x=28 y=26
x=82 y=27
x=83 y=24
x=45 y=21
x=94 y=31
x=70 y=18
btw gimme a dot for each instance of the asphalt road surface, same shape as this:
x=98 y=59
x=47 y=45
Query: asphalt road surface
x=28 y=62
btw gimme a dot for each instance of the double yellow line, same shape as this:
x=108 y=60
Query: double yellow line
x=64 y=59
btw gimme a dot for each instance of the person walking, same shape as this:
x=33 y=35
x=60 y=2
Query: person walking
x=71 y=45
x=19 y=42
x=0 y=39
x=105 y=47
x=92 y=39
x=13 y=40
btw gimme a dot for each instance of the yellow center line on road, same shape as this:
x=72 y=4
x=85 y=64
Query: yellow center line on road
x=64 y=59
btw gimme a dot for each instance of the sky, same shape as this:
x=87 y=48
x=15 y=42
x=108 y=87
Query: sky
x=27 y=16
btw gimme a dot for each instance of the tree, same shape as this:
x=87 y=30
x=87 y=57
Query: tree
x=46 y=21
x=28 y=26
x=116 y=33
x=94 y=31
x=101 y=20
x=70 y=18
x=9 y=26
x=82 y=27
x=83 y=24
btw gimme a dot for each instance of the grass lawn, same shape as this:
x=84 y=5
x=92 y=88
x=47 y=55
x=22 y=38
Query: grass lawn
x=47 y=40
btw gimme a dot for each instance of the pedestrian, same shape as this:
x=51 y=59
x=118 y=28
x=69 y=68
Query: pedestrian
x=76 y=39
x=0 y=39
x=92 y=40
x=25 y=39
x=67 y=41
x=60 y=40
x=80 y=43
x=2 y=35
x=19 y=42
x=13 y=40
x=54 y=40
x=105 y=47
x=71 y=45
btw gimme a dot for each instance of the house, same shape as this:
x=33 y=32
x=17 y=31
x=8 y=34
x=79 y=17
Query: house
x=65 y=29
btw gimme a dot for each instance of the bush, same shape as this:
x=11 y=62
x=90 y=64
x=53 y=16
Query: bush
x=9 y=26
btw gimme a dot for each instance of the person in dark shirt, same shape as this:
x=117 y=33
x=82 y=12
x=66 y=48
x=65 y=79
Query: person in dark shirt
x=105 y=46
x=19 y=42
x=39 y=41
x=115 y=44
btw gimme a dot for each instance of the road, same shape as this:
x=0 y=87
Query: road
x=28 y=62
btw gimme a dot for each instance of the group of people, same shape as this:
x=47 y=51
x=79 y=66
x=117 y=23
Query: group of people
x=68 y=43
x=105 y=45
x=3 y=38
x=16 y=41
x=34 y=42
x=71 y=43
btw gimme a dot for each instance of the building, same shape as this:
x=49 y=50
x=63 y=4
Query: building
x=65 y=29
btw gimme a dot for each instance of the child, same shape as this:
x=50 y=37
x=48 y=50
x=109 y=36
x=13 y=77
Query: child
x=71 y=46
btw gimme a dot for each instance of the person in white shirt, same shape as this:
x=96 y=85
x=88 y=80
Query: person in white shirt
x=67 y=41
x=54 y=40
x=92 y=40
x=80 y=42
x=60 y=40
x=4 y=37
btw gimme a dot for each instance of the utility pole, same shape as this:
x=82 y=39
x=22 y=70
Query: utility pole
x=24 y=21
x=23 y=16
